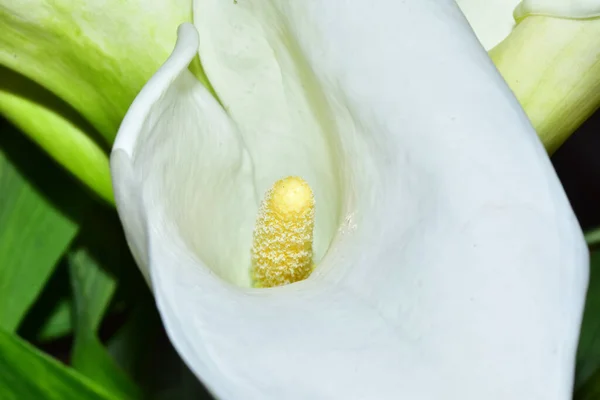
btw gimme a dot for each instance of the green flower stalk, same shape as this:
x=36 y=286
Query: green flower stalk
x=552 y=65
x=548 y=52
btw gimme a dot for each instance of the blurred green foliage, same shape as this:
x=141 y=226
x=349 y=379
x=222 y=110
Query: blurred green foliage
x=77 y=320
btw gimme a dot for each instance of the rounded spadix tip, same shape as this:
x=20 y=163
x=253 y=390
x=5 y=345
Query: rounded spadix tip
x=291 y=195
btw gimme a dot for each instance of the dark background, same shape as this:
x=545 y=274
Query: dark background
x=577 y=164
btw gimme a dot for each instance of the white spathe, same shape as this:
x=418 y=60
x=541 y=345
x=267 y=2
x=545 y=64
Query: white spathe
x=450 y=263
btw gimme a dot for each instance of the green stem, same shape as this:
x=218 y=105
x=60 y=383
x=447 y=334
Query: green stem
x=553 y=67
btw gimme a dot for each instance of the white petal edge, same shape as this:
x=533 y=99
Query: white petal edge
x=492 y=20
x=465 y=274
x=176 y=123
x=186 y=48
x=126 y=187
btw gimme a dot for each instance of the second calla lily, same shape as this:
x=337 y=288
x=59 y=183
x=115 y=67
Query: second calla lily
x=549 y=60
x=449 y=264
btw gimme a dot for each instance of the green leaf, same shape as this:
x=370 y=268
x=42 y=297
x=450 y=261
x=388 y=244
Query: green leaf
x=58 y=323
x=93 y=288
x=26 y=373
x=57 y=128
x=144 y=349
x=95 y=363
x=93 y=267
x=50 y=317
x=188 y=386
x=95 y=55
x=590 y=390
x=34 y=231
x=593 y=237
x=133 y=344
x=588 y=353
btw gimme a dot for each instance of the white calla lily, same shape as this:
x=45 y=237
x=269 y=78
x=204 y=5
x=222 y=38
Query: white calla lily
x=449 y=262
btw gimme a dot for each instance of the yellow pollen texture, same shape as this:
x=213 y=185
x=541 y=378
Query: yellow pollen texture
x=282 y=246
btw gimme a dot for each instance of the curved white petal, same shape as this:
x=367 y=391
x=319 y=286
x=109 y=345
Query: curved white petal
x=492 y=20
x=177 y=141
x=458 y=271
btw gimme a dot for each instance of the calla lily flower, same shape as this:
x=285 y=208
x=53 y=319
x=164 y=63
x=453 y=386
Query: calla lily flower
x=448 y=261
